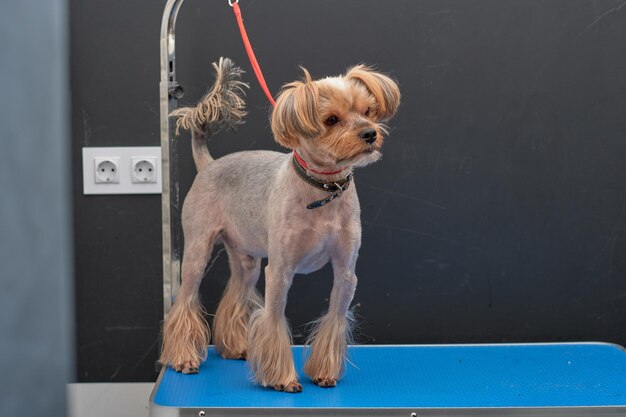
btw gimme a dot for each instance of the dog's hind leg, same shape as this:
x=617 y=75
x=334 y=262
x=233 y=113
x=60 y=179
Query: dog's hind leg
x=269 y=338
x=332 y=332
x=185 y=331
x=240 y=299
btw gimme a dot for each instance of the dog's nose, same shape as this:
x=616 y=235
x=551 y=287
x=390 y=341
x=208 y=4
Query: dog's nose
x=368 y=135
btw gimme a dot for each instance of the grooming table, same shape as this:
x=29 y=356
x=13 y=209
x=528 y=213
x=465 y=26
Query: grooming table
x=563 y=379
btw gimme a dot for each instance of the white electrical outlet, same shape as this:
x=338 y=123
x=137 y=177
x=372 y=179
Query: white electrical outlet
x=122 y=170
x=106 y=170
x=143 y=169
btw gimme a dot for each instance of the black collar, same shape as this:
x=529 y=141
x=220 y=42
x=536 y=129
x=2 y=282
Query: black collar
x=335 y=188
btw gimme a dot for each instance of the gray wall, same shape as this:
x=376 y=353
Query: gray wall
x=36 y=342
x=498 y=213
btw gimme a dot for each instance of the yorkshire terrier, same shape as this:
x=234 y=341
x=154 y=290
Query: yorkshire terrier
x=299 y=209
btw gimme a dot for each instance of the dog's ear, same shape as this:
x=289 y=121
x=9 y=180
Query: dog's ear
x=384 y=89
x=295 y=114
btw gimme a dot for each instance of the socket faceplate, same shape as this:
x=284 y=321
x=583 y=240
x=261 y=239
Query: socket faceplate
x=144 y=169
x=126 y=159
x=106 y=170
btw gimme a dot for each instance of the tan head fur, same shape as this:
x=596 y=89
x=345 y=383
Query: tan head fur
x=336 y=121
x=295 y=115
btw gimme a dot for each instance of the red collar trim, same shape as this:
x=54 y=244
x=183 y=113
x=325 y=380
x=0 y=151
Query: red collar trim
x=306 y=166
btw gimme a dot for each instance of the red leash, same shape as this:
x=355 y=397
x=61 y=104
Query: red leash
x=259 y=75
x=246 y=42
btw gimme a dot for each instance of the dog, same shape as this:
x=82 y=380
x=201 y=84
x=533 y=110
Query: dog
x=300 y=210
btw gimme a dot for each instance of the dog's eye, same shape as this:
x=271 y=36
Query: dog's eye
x=331 y=120
x=367 y=112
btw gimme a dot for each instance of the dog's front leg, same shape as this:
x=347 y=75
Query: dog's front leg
x=331 y=334
x=269 y=338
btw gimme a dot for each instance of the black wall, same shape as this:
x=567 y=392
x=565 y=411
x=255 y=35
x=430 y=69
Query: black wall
x=498 y=213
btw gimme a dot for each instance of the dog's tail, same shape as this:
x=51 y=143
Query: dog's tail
x=222 y=107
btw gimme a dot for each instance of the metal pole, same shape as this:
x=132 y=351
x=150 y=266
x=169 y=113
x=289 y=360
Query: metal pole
x=170 y=93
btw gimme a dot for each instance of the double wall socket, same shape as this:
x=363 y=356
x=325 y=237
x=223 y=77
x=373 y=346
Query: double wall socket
x=122 y=170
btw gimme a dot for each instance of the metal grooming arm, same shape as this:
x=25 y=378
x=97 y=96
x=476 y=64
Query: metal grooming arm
x=170 y=93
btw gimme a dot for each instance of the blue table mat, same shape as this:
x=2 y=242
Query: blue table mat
x=445 y=376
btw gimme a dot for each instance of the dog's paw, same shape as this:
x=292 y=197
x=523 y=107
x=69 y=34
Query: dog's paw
x=292 y=387
x=188 y=367
x=226 y=354
x=325 y=382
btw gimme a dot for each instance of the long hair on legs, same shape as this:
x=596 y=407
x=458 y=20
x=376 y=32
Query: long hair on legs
x=240 y=299
x=328 y=341
x=269 y=350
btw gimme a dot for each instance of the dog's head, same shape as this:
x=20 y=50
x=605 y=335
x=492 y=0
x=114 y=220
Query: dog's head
x=337 y=120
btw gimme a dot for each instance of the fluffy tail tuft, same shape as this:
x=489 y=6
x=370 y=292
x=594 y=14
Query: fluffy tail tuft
x=222 y=107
